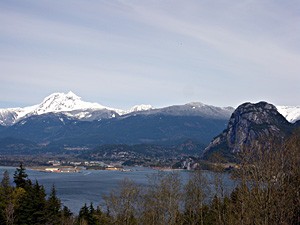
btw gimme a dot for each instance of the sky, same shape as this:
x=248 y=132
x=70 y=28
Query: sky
x=158 y=52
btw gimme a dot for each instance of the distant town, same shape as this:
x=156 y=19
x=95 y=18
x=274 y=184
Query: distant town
x=63 y=166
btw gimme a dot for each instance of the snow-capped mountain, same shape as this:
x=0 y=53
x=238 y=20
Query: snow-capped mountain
x=60 y=102
x=11 y=115
x=69 y=104
x=72 y=106
x=291 y=113
x=60 y=119
x=138 y=108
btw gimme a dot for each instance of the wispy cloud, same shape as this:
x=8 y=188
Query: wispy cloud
x=158 y=52
x=259 y=48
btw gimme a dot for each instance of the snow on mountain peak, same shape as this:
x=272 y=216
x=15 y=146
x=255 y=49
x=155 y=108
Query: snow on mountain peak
x=61 y=102
x=196 y=104
x=72 y=95
x=54 y=103
x=138 y=108
x=291 y=113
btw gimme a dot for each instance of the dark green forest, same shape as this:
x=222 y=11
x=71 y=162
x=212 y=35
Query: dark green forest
x=267 y=193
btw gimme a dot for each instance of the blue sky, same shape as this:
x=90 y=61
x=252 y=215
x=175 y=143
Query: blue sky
x=123 y=53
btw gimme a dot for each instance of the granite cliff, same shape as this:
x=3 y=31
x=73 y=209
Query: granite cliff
x=249 y=123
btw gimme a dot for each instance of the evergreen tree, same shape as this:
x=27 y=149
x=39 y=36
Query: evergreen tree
x=32 y=206
x=20 y=177
x=66 y=216
x=38 y=195
x=66 y=212
x=53 y=207
x=83 y=214
x=5 y=183
x=102 y=218
x=91 y=209
x=6 y=206
x=91 y=216
x=6 y=189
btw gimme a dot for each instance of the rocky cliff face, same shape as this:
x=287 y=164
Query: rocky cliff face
x=249 y=123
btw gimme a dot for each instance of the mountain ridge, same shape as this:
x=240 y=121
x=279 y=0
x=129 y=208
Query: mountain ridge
x=71 y=105
x=64 y=120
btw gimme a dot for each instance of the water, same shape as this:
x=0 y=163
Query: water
x=75 y=189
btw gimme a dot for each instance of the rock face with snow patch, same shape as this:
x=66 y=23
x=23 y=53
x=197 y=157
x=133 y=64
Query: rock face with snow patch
x=7 y=117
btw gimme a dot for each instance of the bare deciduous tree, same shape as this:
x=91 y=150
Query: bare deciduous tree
x=123 y=204
x=196 y=192
x=162 y=199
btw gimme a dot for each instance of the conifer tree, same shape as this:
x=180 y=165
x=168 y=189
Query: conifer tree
x=91 y=216
x=53 y=207
x=6 y=206
x=102 y=218
x=6 y=189
x=83 y=214
x=38 y=196
x=32 y=205
x=66 y=216
x=20 y=177
x=5 y=183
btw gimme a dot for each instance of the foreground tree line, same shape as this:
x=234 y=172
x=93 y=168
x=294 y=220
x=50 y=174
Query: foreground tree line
x=26 y=202
x=267 y=192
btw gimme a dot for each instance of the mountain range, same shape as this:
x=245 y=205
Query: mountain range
x=68 y=104
x=72 y=106
x=64 y=121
